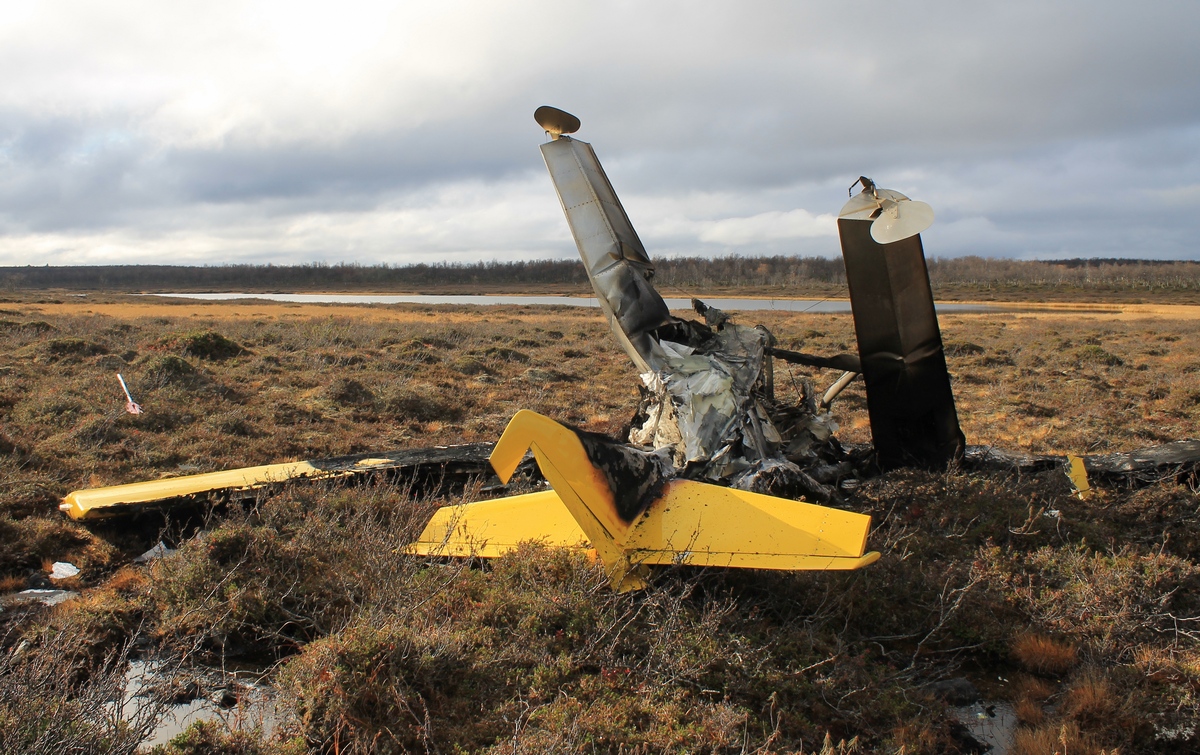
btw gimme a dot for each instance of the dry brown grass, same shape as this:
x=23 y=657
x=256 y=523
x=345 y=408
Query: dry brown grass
x=1032 y=382
x=1043 y=655
x=1030 y=695
x=1029 y=712
x=1091 y=700
x=1034 y=688
x=12 y=583
x=1064 y=739
x=128 y=579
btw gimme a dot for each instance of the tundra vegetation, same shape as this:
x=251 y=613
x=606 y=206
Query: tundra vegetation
x=1083 y=615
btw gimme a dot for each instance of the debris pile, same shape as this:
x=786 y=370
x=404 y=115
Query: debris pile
x=708 y=392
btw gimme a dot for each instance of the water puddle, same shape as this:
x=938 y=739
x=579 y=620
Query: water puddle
x=50 y=597
x=993 y=724
x=240 y=700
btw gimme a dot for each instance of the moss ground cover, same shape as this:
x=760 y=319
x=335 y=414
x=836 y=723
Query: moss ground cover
x=1081 y=614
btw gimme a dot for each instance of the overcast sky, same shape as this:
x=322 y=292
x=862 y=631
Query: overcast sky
x=142 y=131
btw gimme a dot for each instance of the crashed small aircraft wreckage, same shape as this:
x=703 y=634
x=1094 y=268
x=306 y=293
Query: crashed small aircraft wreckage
x=628 y=507
x=717 y=470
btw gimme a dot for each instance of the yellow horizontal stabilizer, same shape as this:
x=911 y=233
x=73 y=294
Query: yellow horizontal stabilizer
x=688 y=522
x=98 y=502
x=488 y=529
x=708 y=525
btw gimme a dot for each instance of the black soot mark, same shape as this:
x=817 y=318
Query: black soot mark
x=635 y=477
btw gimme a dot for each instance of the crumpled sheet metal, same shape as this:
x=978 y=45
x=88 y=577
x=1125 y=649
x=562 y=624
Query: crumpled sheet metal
x=1178 y=460
x=708 y=385
x=616 y=261
x=701 y=390
x=710 y=390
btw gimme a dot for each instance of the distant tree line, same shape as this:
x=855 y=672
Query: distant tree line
x=307 y=277
x=1097 y=274
x=693 y=274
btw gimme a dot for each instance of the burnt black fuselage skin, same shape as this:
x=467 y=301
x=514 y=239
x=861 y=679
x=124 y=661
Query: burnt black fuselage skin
x=909 y=399
x=635 y=477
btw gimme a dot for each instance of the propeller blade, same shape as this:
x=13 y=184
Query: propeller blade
x=860 y=207
x=900 y=220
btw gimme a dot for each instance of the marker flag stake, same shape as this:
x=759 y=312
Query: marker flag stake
x=130 y=406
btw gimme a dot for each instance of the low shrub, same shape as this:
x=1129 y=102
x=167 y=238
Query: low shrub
x=349 y=392
x=99 y=432
x=469 y=366
x=207 y=344
x=30 y=326
x=1113 y=602
x=383 y=686
x=25 y=543
x=962 y=349
x=234 y=423
x=161 y=371
x=52 y=411
x=72 y=348
x=250 y=589
x=265 y=581
x=216 y=738
x=538 y=654
x=421 y=405
x=539 y=375
x=420 y=351
x=99 y=623
x=1095 y=354
x=506 y=355
x=46 y=709
x=287 y=415
x=1044 y=655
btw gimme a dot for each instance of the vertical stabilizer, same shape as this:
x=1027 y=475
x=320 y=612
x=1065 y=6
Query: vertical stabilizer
x=616 y=261
x=911 y=406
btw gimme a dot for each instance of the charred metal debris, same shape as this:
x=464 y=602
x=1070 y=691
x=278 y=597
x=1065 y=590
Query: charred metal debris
x=708 y=400
x=708 y=388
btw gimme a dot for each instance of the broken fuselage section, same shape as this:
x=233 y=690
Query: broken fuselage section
x=708 y=394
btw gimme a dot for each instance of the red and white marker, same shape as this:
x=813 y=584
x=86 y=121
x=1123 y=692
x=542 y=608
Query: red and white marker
x=130 y=406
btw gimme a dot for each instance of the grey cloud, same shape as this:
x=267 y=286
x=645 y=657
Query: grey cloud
x=61 y=178
x=1034 y=128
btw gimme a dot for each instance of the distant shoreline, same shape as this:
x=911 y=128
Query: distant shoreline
x=960 y=279
x=943 y=294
